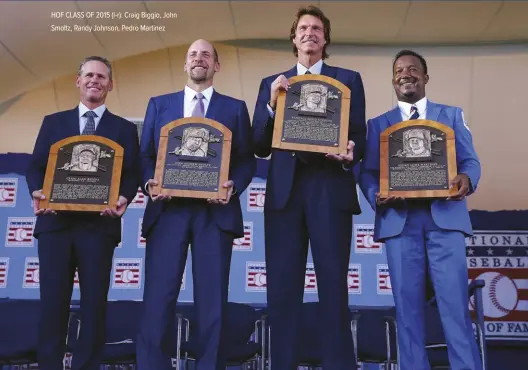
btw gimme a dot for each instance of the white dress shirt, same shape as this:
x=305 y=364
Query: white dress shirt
x=82 y=120
x=189 y=102
x=301 y=70
x=405 y=109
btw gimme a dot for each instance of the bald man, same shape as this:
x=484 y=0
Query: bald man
x=170 y=225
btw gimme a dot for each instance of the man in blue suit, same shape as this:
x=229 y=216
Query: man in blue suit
x=310 y=200
x=425 y=236
x=83 y=240
x=170 y=225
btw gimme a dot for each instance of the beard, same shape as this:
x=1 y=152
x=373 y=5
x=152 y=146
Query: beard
x=199 y=75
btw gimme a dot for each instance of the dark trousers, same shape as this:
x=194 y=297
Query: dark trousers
x=309 y=217
x=180 y=225
x=60 y=252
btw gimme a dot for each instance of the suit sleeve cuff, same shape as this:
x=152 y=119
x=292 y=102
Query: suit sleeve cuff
x=270 y=111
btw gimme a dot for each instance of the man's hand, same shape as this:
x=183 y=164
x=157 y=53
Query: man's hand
x=392 y=199
x=37 y=197
x=462 y=182
x=344 y=158
x=158 y=197
x=118 y=210
x=227 y=185
x=280 y=83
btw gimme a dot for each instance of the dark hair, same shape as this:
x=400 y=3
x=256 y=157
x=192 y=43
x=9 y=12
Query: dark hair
x=318 y=13
x=412 y=53
x=215 y=54
x=97 y=59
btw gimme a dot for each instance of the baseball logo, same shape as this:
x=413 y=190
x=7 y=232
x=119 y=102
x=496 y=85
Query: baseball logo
x=500 y=295
x=260 y=200
x=260 y=279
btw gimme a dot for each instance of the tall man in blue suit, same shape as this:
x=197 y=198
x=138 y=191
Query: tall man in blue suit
x=170 y=225
x=310 y=199
x=425 y=236
x=85 y=241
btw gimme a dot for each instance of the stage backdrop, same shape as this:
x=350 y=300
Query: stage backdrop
x=498 y=253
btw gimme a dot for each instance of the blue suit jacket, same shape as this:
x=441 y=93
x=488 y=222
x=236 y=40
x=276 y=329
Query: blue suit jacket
x=338 y=185
x=61 y=125
x=230 y=112
x=447 y=214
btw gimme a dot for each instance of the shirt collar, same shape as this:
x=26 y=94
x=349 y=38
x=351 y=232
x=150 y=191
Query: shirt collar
x=421 y=105
x=99 y=110
x=190 y=93
x=315 y=69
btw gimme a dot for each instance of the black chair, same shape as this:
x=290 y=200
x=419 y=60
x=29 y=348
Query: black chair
x=374 y=334
x=436 y=342
x=122 y=327
x=18 y=331
x=242 y=335
x=310 y=339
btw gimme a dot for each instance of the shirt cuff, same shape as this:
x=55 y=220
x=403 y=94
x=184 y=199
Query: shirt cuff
x=344 y=167
x=270 y=111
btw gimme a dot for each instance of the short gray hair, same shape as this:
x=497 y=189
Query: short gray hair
x=97 y=59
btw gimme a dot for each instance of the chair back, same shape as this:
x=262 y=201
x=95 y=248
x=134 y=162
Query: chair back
x=19 y=320
x=374 y=343
x=122 y=321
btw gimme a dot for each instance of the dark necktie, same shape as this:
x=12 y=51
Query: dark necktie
x=414 y=113
x=308 y=157
x=199 y=107
x=89 y=128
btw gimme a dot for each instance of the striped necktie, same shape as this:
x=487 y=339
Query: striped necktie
x=414 y=113
x=89 y=128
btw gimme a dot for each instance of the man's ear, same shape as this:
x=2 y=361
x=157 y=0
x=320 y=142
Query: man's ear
x=426 y=78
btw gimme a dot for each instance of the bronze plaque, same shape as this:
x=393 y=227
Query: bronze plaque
x=417 y=160
x=313 y=115
x=83 y=174
x=193 y=159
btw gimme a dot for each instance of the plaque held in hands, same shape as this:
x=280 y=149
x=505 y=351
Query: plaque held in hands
x=193 y=159
x=417 y=160
x=83 y=174
x=313 y=115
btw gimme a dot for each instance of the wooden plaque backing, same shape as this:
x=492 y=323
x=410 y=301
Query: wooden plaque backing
x=52 y=167
x=221 y=193
x=344 y=118
x=385 y=192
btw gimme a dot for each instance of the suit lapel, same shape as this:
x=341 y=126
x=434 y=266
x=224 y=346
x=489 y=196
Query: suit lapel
x=105 y=127
x=433 y=111
x=72 y=124
x=394 y=116
x=176 y=103
x=213 y=105
x=291 y=73
x=326 y=70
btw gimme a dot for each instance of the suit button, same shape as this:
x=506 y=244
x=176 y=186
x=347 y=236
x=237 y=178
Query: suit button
x=293 y=154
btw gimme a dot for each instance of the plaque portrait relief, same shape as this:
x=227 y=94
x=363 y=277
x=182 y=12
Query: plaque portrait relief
x=416 y=144
x=195 y=143
x=85 y=157
x=313 y=98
